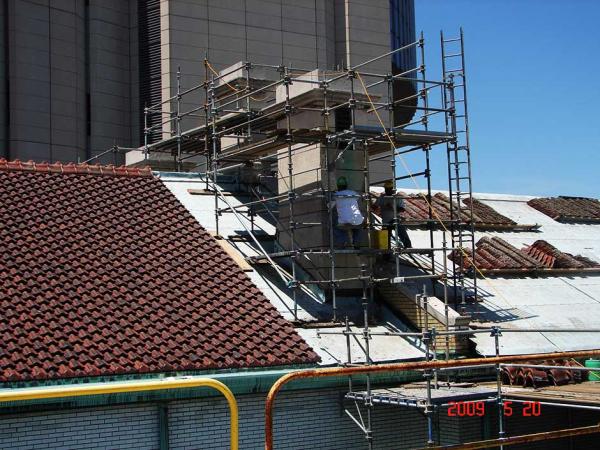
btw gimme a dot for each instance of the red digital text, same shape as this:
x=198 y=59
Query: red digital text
x=478 y=409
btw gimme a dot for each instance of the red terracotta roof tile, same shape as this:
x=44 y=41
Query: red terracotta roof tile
x=96 y=169
x=494 y=254
x=568 y=209
x=104 y=275
x=552 y=258
x=417 y=209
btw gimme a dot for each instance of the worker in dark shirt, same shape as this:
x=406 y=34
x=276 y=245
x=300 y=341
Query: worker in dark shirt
x=385 y=204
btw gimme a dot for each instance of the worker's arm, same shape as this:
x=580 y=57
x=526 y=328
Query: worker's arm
x=331 y=203
x=400 y=206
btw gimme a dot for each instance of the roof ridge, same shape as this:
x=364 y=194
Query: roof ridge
x=72 y=168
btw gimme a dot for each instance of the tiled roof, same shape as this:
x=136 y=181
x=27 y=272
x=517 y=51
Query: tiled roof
x=495 y=254
x=486 y=214
x=536 y=377
x=552 y=258
x=417 y=209
x=109 y=274
x=568 y=209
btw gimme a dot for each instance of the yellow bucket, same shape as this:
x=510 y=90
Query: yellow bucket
x=381 y=239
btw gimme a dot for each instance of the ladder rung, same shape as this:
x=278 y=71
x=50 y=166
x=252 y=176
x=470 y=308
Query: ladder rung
x=460 y=100
x=454 y=70
x=458 y=85
x=452 y=39
x=452 y=55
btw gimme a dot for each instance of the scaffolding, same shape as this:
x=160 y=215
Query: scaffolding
x=248 y=115
x=244 y=123
x=265 y=114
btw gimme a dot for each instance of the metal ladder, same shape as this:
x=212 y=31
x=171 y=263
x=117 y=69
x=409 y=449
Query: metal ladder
x=459 y=161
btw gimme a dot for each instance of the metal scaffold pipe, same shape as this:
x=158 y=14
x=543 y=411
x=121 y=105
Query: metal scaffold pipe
x=54 y=392
x=401 y=367
x=523 y=439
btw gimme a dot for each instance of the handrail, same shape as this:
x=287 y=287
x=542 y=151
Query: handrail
x=15 y=395
x=397 y=367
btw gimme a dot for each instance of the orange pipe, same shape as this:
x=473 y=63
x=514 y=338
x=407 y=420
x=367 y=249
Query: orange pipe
x=398 y=367
x=523 y=439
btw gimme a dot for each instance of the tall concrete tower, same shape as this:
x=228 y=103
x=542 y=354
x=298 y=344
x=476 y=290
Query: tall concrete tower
x=76 y=75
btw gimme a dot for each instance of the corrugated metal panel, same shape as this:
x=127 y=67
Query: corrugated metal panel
x=149 y=62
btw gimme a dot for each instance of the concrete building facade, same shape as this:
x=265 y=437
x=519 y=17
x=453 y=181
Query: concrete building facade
x=77 y=74
x=68 y=84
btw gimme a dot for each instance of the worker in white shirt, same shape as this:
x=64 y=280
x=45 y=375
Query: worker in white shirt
x=349 y=217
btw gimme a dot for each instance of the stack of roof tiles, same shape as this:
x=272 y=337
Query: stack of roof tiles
x=550 y=257
x=103 y=272
x=568 y=209
x=537 y=377
x=494 y=253
x=483 y=213
x=417 y=209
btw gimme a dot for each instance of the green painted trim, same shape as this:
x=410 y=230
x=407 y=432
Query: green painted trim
x=146 y=376
x=241 y=383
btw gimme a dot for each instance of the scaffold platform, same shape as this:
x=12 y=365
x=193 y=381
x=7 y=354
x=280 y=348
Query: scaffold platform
x=416 y=395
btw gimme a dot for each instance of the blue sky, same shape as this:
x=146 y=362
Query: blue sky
x=533 y=69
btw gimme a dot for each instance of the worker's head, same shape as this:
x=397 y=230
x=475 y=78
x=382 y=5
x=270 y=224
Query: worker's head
x=389 y=187
x=342 y=183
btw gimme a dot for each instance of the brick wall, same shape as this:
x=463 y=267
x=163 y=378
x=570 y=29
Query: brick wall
x=303 y=420
x=123 y=428
x=408 y=309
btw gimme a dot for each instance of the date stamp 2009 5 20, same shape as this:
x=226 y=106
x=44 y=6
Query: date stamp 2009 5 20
x=478 y=409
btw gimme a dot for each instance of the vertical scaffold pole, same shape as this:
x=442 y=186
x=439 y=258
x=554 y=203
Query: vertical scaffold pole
x=427 y=148
x=445 y=284
x=207 y=151
x=248 y=67
x=293 y=284
x=347 y=331
x=366 y=187
x=427 y=373
x=390 y=132
x=329 y=200
x=496 y=333
x=214 y=140
x=367 y=338
x=146 y=132
x=178 y=121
